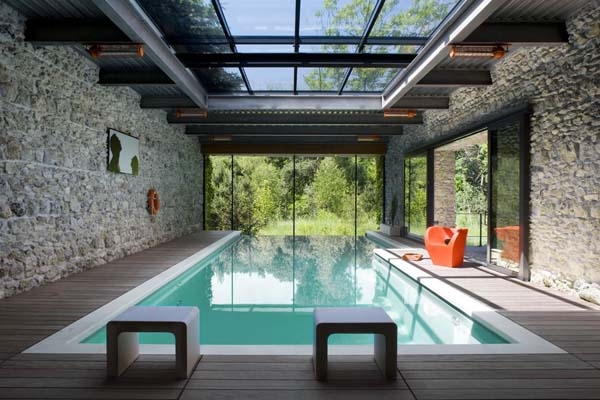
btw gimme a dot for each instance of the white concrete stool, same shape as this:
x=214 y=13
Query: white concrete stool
x=122 y=347
x=375 y=320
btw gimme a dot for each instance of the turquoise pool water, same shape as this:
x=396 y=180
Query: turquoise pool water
x=262 y=291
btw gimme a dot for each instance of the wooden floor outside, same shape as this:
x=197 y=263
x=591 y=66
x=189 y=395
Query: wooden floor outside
x=27 y=318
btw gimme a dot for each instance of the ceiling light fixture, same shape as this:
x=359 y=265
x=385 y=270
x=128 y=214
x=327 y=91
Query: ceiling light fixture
x=395 y=112
x=221 y=138
x=191 y=112
x=368 y=138
x=496 y=51
x=116 y=50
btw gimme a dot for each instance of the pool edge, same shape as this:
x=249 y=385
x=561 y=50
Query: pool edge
x=67 y=340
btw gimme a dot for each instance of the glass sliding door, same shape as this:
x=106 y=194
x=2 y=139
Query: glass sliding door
x=508 y=208
x=262 y=195
x=287 y=195
x=325 y=203
x=218 y=192
x=415 y=194
x=369 y=190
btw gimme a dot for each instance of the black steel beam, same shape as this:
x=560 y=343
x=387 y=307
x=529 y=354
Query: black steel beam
x=297 y=130
x=409 y=102
x=73 y=31
x=214 y=60
x=296 y=41
x=99 y=30
x=140 y=77
x=307 y=40
x=166 y=102
x=273 y=145
x=221 y=16
x=423 y=102
x=519 y=33
x=453 y=78
x=290 y=118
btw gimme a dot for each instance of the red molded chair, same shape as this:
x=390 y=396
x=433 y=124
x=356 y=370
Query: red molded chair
x=446 y=246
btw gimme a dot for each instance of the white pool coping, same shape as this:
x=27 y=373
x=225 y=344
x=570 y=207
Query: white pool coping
x=522 y=341
x=68 y=339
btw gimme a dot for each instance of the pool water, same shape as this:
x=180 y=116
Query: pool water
x=262 y=291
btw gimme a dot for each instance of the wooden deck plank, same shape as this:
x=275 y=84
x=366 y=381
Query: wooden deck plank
x=296 y=394
x=537 y=394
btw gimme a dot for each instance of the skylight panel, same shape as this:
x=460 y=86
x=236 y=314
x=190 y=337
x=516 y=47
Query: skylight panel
x=258 y=18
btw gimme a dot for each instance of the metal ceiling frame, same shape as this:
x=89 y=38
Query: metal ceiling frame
x=134 y=22
x=458 y=26
x=221 y=16
x=361 y=45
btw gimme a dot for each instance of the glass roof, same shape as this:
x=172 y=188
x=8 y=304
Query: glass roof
x=322 y=27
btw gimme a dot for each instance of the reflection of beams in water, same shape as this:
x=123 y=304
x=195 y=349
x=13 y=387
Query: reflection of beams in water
x=411 y=310
x=276 y=307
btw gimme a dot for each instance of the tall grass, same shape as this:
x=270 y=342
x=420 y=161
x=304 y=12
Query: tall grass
x=319 y=226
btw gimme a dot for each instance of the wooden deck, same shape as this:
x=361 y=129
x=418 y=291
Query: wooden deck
x=30 y=317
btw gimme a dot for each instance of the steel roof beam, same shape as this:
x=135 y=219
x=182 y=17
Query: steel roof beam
x=376 y=60
x=288 y=118
x=268 y=103
x=153 y=77
x=73 y=31
x=298 y=130
x=166 y=102
x=457 y=27
x=102 y=30
x=451 y=78
x=309 y=102
x=423 y=102
x=519 y=33
x=133 y=21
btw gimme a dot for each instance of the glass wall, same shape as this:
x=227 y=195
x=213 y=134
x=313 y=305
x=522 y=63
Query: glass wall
x=287 y=195
x=504 y=197
x=415 y=194
x=218 y=196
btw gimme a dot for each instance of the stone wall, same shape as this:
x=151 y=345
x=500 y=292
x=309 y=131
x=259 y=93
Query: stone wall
x=61 y=211
x=562 y=86
x=444 y=193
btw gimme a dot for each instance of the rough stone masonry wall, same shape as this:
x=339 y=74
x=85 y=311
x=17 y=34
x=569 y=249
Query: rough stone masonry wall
x=61 y=211
x=562 y=84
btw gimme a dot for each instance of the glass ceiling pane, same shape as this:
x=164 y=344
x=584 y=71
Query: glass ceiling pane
x=402 y=49
x=370 y=79
x=220 y=80
x=320 y=79
x=411 y=17
x=281 y=79
x=184 y=19
x=326 y=48
x=334 y=17
x=265 y=48
x=265 y=17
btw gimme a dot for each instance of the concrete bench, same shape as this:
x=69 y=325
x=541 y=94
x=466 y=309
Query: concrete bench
x=328 y=321
x=122 y=346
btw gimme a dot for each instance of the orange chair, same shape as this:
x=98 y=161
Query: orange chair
x=446 y=246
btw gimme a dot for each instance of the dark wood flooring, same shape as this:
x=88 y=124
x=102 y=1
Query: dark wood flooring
x=30 y=317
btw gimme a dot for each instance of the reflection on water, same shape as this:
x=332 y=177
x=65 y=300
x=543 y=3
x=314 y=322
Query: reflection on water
x=262 y=290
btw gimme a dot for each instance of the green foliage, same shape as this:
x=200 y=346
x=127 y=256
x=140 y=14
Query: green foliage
x=197 y=20
x=418 y=19
x=471 y=179
x=115 y=149
x=264 y=200
x=415 y=191
x=135 y=165
x=331 y=189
